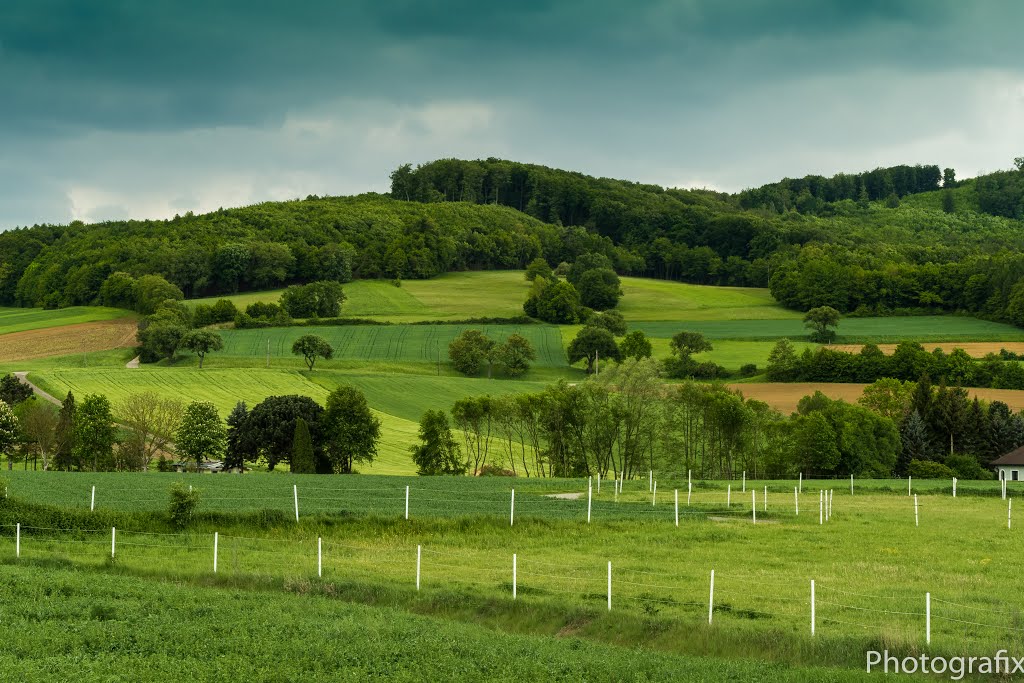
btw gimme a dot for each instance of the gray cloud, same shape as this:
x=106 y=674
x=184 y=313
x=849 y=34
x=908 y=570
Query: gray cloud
x=154 y=108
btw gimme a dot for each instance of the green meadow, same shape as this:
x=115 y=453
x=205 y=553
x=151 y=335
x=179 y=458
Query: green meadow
x=872 y=567
x=23 y=319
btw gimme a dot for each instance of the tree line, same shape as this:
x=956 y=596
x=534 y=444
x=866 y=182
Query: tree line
x=908 y=362
x=626 y=421
x=152 y=431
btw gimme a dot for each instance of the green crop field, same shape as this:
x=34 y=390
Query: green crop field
x=23 y=319
x=386 y=343
x=851 y=330
x=871 y=563
x=398 y=400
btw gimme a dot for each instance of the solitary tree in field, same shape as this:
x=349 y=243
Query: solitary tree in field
x=821 y=320
x=201 y=433
x=201 y=342
x=593 y=344
x=311 y=347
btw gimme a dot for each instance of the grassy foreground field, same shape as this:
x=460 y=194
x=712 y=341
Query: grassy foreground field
x=871 y=564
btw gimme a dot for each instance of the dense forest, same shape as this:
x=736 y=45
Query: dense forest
x=904 y=239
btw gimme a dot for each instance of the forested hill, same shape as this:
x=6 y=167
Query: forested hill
x=275 y=243
x=898 y=240
x=894 y=240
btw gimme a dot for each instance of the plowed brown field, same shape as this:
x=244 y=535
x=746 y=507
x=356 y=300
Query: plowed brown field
x=784 y=397
x=66 y=340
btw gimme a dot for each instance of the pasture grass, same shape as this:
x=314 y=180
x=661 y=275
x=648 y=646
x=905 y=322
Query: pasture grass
x=68 y=624
x=23 y=319
x=385 y=343
x=871 y=564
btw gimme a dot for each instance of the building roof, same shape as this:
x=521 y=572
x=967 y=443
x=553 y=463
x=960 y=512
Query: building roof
x=1015 y=457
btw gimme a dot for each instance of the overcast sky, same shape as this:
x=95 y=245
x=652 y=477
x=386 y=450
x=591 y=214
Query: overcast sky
x=149 y=108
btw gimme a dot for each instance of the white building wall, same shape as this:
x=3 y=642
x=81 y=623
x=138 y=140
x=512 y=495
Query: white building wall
x=1007 y=472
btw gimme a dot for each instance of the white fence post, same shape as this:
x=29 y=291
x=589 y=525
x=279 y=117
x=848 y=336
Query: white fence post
x=590 y=494
x=677 y=507
x=796 y=500
x=295 y=489
x=17 y=541
x=766 y=499
x=851 y=484
x=513 y=576
x=113 y=541
x=916 y=519
x=216 y=537
x=319 y=556
x=407 y=502
x=801 y=482
x=728 y=496
x=654 y=493
x=821 y=508
x=711 y=598
x=1009 y=514
x=910 y=480
x=609 y=586
x=812 y=607
x=689 y=476
x=92 y=502
x=927 y=618
x=689 y=493
x=512 y=510
x=954 y=487
x=753 y=506
x=418 y=557
x=744 y=481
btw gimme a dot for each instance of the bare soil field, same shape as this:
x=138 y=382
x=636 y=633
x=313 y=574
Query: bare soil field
x=69 y=339
x=785 y=396
x=973 y=349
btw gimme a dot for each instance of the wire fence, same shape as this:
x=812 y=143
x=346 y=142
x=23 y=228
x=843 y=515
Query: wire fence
x=614 y=584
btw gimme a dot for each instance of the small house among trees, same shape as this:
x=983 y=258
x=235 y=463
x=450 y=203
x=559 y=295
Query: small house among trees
x=1011 y=466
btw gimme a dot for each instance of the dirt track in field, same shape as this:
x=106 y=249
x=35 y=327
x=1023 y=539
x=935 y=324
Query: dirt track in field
x=784 y=397
x=973 y=349
x=66 y=340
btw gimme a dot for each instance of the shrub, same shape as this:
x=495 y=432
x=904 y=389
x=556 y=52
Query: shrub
x=926 y=469
x=182 y=508
x=748 y=370
x=494 y=471
x=967 y=467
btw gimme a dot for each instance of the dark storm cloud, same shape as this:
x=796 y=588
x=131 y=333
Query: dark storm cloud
x=658 y=90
